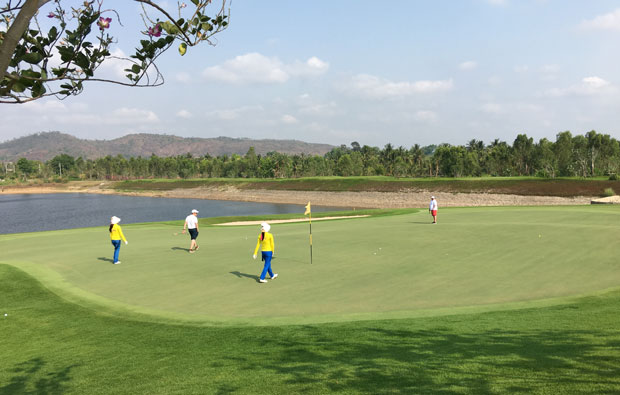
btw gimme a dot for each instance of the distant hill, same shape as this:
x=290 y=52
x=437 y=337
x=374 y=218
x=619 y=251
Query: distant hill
x=45 y=146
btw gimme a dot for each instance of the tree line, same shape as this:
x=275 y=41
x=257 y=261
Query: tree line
x=592 y=154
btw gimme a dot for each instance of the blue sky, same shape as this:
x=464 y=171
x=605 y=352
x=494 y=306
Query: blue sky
x=400 y=72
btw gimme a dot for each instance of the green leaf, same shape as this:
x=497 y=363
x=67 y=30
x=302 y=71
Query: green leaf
x=195 y=2
x=82 y=61
x=207 y=27
x=31 y=74
x=182 y=48
x=135 y=69
x=53 y=33
x=38 y=90
x=169 y=27
x=17 y=87
x=32 y=57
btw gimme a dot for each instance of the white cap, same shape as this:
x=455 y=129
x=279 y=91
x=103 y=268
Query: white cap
x=115 y=220
x=194 y=211
x=432 y=197
x=265 y=227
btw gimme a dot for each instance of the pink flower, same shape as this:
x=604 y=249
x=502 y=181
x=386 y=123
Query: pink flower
x=104 y=23
x=51 y=15
x=155 y=31
x=183 y=5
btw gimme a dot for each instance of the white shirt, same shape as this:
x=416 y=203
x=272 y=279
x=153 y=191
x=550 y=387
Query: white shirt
x=433 y=205
x=191 y=221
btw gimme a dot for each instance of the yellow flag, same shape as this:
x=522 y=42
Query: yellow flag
x=307 y=209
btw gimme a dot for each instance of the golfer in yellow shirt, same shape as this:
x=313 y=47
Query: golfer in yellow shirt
x=116 y=234
x=266 y=244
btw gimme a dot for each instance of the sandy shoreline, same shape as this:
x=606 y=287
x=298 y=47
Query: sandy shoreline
x=400 y=199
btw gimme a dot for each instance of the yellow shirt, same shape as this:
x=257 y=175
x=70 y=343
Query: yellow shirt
x=266 y=244
x=117 y=233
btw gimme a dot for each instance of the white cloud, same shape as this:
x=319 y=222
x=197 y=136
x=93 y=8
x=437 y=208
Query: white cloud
x=492 y=108
x=521 y=69
x=183 y=77
x=125 y=115
x=377 y=88
x=494 y=80
x=319 y=109
x=311 y=67
x=184 y=114
x=589 y=86
x=468 y=65
x=114 y=66
x=288 y=119
x=425 y=116
x=232 y=113
x=62 y=115
x=609 y=21
x=257 y=68
x=550 y=68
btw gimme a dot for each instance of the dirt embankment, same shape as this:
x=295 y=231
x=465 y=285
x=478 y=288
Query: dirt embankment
x=400 y=199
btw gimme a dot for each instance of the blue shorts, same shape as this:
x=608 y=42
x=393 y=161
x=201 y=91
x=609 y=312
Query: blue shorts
x=193 y=233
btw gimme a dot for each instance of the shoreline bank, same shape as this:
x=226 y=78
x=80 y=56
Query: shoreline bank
x=402 y=199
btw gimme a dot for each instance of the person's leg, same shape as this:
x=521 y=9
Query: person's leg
x=268 y=263
x=267 y=266
x=117 y=248
x=192 y=243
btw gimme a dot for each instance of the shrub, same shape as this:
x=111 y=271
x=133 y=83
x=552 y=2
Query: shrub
x=613 y=177
x=608 y=192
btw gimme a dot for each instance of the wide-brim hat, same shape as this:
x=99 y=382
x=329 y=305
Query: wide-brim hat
x=115 y=220
x=265 y=226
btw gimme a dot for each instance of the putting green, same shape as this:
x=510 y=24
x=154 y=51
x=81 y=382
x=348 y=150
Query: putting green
x=367 y=268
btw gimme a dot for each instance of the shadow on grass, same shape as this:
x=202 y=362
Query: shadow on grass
x=105 y=259
x=33 y=377
x=240 y=275
x=439 y=361
x=180 y=249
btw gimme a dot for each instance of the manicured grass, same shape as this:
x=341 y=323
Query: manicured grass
x=54 y=347
x=494 y=300
x=379 y=267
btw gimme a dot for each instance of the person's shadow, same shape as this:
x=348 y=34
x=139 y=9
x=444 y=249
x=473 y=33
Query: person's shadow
x=239 y=275
x=180 y=249
x=105 y=259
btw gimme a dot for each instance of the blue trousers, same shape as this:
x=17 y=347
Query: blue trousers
x=117 y=249
x=267 y=268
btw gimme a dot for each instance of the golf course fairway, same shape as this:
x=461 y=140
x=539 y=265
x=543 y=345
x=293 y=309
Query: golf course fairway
x=400 y=266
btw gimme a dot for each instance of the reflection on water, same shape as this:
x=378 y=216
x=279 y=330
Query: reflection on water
x=37 y=212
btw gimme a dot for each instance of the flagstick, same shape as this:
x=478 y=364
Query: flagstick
x=310 y=238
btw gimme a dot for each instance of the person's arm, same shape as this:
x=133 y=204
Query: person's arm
x=184 y=226
x=256 y=249
x=120 y=232
x=273 y=245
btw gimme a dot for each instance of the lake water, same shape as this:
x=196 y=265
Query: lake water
x=37 y=212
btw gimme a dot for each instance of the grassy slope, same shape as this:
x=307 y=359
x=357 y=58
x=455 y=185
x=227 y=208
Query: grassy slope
x=54 y=347
x=528 y=186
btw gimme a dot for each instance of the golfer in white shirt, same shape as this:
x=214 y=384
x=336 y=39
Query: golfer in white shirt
x=433 y=209
x=191 y=224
